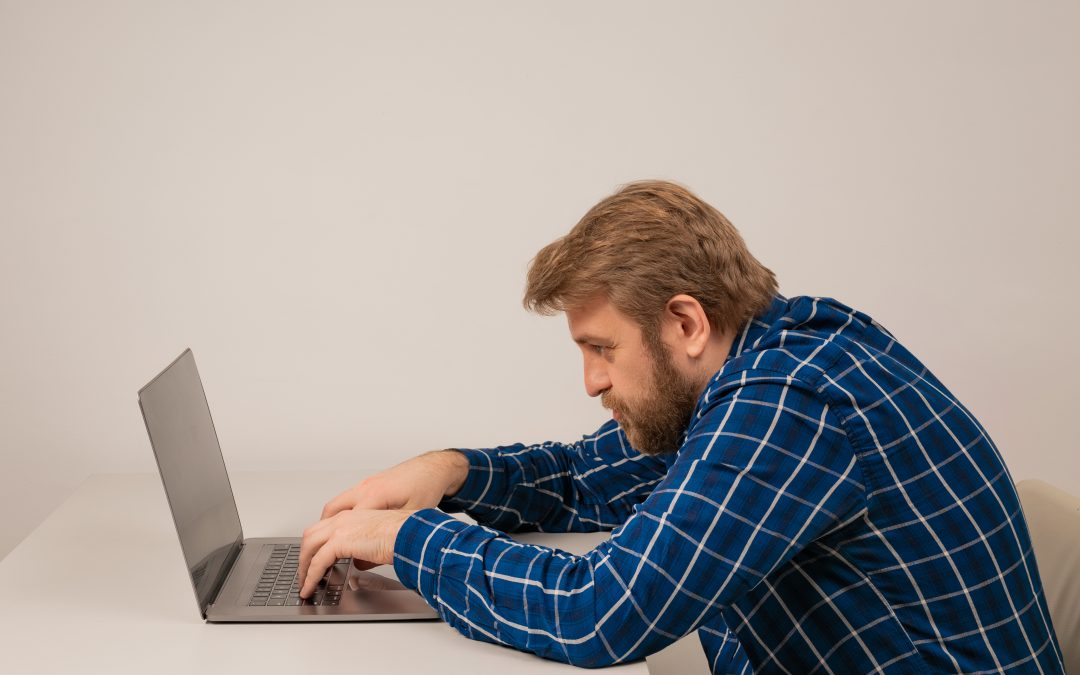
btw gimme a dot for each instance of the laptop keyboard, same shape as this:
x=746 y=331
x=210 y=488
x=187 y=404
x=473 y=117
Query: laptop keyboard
x=278 y=585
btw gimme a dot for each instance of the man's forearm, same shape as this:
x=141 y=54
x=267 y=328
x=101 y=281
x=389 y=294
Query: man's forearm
x=553 y=486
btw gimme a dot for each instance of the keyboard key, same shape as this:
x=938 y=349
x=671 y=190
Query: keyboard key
x=276 y=602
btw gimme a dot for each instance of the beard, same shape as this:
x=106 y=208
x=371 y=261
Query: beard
x=655 y=425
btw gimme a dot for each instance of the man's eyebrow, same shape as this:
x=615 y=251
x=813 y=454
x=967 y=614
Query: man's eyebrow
x=586 y=338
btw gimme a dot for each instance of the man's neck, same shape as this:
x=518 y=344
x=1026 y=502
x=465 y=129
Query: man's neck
x=715 y=356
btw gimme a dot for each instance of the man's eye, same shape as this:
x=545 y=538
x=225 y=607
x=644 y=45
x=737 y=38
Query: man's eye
x=599 y=349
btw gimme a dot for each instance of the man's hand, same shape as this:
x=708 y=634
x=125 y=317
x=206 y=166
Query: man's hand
x=365 y=535
x=418 y=483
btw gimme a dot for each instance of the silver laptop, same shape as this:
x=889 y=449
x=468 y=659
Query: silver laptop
x=237 y=579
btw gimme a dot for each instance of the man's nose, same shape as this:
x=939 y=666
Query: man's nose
x=596 y=380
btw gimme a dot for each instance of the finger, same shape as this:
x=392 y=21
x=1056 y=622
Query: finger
x=313 y=539
x=345 y=500
x=372 y=502
x=371 y=493
x=322 y=561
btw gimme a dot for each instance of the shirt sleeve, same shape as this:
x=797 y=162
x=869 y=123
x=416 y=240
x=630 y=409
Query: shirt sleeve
x=765 y=470
x=587 y=486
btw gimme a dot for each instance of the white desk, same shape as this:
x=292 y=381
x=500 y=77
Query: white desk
x=101 y=586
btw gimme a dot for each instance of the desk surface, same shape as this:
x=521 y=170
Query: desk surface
x=101 y=586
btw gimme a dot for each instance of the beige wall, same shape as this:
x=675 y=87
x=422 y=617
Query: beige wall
x=334 y=206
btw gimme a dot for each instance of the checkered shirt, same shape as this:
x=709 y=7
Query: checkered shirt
x=832 y=509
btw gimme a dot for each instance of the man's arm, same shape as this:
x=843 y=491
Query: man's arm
x=767 y=471
x=417 y=483
x=586 y=486
x=590 y=485
x=593 y=484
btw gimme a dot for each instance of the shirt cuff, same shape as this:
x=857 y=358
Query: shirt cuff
x=419 y=547
x=485 y=473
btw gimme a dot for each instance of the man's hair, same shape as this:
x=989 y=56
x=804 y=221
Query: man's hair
x=641 y=246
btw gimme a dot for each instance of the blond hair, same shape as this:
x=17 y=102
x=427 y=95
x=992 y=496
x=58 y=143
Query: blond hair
x=641 y=246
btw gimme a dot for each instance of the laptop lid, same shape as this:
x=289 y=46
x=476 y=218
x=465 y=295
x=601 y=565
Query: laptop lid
x=193 y=472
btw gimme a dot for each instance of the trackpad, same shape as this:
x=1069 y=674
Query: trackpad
x=369 y=581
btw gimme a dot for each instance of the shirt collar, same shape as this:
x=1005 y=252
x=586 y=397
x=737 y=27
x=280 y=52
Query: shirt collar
x=756 y=326
x=746 y=340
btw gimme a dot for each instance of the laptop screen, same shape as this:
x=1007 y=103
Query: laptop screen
x=197 y=486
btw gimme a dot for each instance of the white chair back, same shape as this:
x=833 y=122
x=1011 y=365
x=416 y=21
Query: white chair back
x=1053 y=518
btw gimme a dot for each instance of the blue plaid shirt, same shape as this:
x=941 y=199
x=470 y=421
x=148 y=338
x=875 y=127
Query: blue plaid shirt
x=832 y=509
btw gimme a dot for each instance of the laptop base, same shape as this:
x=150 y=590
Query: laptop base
x=365 y=596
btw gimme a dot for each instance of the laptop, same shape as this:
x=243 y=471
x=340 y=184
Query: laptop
x=238 y=579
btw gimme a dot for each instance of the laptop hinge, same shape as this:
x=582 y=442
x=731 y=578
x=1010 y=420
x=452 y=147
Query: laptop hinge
x=226 y=569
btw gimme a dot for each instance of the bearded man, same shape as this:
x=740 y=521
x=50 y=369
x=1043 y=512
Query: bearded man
x=780 y=475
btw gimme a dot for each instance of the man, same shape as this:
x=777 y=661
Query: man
x=780 y=475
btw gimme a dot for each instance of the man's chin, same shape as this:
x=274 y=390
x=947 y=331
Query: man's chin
x=645 y=447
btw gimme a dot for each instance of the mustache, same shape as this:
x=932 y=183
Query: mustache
x=613 y=404
x=609 y=401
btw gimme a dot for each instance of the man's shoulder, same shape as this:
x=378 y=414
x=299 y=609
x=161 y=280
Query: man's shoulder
x=802 y=337
x=819 y=353
x=805 y=342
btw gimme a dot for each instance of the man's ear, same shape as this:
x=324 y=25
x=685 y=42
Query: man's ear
x=686 y=326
